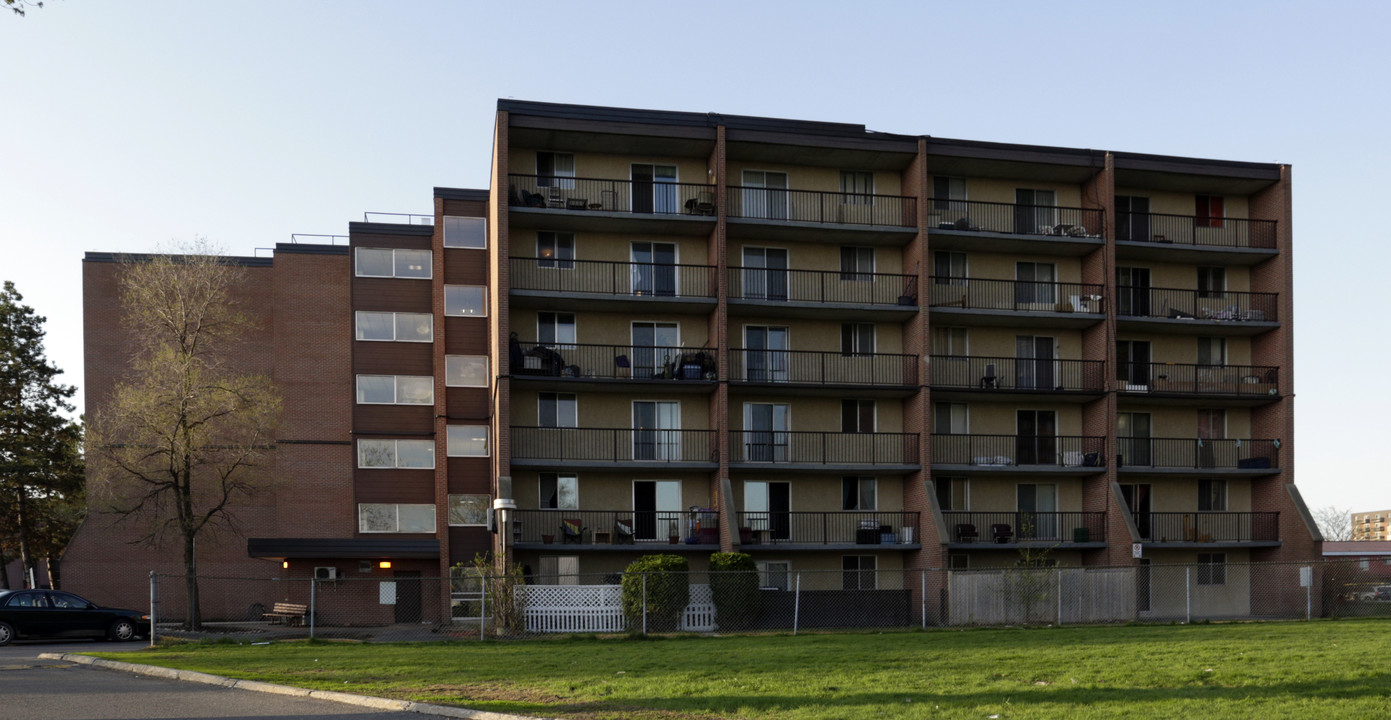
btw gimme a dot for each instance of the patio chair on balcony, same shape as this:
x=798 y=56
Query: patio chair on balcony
x=572 y=531
x=1002 y=532
x=622 y=532
x=622 y=368
x=966 y=532
x=989 y=381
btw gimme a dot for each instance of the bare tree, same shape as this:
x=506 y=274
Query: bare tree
x=185 y=435
x=1334 y=523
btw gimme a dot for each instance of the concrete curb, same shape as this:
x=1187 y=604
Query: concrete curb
x=257 y=686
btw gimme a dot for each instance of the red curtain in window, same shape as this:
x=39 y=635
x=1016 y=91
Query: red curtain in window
x=1208 y=211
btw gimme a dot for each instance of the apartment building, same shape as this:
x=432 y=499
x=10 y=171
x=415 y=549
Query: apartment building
x=831 y=348
x=1370 y=525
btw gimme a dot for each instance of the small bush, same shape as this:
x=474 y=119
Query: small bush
x=668 y=592
x=734 y=584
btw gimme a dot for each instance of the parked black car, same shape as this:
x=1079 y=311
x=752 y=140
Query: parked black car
x=58 y=614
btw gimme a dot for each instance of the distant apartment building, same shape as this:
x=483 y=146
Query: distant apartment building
x=1370 y=525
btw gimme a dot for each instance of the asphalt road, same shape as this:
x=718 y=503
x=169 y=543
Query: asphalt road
x=34 y=689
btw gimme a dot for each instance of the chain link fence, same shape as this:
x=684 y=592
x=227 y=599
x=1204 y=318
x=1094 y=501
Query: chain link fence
x=470 y=605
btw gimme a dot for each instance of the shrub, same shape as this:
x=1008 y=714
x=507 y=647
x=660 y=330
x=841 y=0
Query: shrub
x=668 y=592
x=734 y=584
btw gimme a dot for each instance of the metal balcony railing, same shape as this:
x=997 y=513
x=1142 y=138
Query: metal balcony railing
x=1014 y=295
x=1017 y=450
x=615 y=527
x=1177 y=304
x=822 y=368
x=1005 y=373
x=1186 y=379
x=1198 y=453
x=602 y=277
x=812 y=206
x=976 y=216
x=822 y=286
x=615 y=196
x=611 y=362
x=1192 y=230
x=1025 y=526
x=613 y=445
x=848 y=527
x=1165 y=527
x=785 y=446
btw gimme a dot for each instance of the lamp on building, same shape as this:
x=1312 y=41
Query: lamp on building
x=385 y=564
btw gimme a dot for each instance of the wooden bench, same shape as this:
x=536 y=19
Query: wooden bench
x=290 y=613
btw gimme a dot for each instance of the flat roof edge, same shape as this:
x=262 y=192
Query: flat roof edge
x=119 y=257
x=376 y=228
x=473 y=194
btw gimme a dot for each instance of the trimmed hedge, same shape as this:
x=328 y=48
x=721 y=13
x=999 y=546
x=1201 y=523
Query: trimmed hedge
x=734 y=584
x=668 y=592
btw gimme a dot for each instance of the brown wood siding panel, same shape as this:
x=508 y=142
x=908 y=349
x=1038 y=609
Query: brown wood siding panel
x=466 y=336
x=467 y=404
x=392 y=358
x=391 y=295
x=406 y=419
x=465 y=267
x=466 y=542
x=394 y=486
x=373 y=240
x=470 y=475
x=465 y=208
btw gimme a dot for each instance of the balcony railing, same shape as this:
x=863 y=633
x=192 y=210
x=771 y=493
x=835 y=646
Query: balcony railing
x=1006 y=373
x=616 y=527
x=822 y=368
x=1249 y=380
x=784 y=446
x=850 y=527
x=1165 y=527
x=613 y=445
x=1198 y=453
x=976 y=216
x=1015 y=526
x=812 y=206
x=1014 y=295
x=1176 y=304
x=612 y=362
x=604 y=195
x=601 y=277
x=1016 y=450
x=1191 y=230
x=822 y=286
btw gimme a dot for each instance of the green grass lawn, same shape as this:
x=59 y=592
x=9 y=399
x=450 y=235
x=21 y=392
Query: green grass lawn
x=1328 y=669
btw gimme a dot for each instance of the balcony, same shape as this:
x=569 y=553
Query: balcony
x=1009 y=530
x=613 y=447
x=797 y=369
x=846 y=530
x=826 y=451
x=1252 y=383
x=1007 y=377
x=660 y=369
x=1187 y=455
x=578 y=204
x=773 y=213
x=1186 y=238
x=1181 y=311
x=612 y=286
x=1079 y=455
x=815 y=293
x=1202 y=529
x=1014 y=302
x=617 y=530
x=1010 y=227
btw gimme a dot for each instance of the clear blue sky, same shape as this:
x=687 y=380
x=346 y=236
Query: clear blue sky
x=131 y=124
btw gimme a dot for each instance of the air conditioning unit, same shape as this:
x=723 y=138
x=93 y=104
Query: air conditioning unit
x=325 y=573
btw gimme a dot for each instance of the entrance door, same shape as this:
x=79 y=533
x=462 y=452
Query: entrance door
x=1212 y=425
x=1132 y=218
x=1034 y=210
x=654 y=188
x=765 y=432
x=656 y=430
x=1133 y=362
x=1133 y=433
x=655 y=346
x=1037 y=440
x=1034 y=286
x=765 y=195
x=1037 y=505
x=654 y=269
x=765 y=273
x=1137 y=498
x=1033 y=365
x=656 y=509
x=767 y=507
x=407 y=596
x=765 y=353
x=1133 y=291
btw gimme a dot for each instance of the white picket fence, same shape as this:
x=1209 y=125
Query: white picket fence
x=599 y=608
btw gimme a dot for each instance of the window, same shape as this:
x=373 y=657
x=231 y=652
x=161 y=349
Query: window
x=466 y=370
x=556 y=410
x=949 y=418
x=1035 y=211
x=467 y=510
x=856 y=416
x=948 y=268
x=465 y=300
x=559 y=570
x=395 y=327
x=1212 y=281
x=553 y=165
x=559 y=491
x=958 y=561
x=765 y=195
x=467 y=441
x=1208 y=211
x=858 y=572
x=858 y=493
x=555 y=250
x=389 y=518
x=1212 y=351
x=1212 y=495
x=395 y=390
x=465 y=232
x=1212 y=568
x=952 y=493
x=856 y=339
x=773 y=574
x=398 y=263
x=555 y=329
x=396 y=453
x=857 y=187
x=947 y=189
x=950 y=341
x=1034 y=283
x=857 y=264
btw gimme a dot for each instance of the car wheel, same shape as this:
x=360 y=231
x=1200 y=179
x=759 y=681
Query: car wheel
x=6 y=633
x=121 y=630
